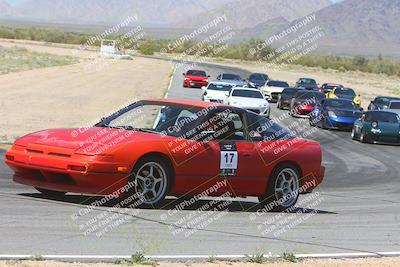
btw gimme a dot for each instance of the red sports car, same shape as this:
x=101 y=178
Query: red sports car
x=304 y=102
x=155 y=148
x=195 y=78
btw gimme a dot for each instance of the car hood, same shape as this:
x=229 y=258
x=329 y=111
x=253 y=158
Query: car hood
x=345 y=111
x=196 y=78
x=272 y=89
x=258 y=82
x=217 y=94
x=248 y=102
x=91 y=141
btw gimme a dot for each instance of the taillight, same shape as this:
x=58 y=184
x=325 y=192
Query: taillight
x=10 y=158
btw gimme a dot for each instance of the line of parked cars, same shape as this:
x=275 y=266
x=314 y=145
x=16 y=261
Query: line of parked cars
x=328 y=106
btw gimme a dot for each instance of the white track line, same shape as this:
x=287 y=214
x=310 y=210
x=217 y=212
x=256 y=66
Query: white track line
x=170 y=82
x=97 y=258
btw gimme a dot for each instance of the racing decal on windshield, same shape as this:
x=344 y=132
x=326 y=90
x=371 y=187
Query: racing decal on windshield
x=229 y=158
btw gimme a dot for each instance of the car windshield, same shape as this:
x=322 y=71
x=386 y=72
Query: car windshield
x=232 y=77
x=340 y=104
x=166 y=119
x=278 y=84
x=384 y=101
x=345 y=91
x=247 y=93
x=307 y=81
x=380 y=116
x=394 y=105
x=219 y=87
x=258 y=77
x=290 y=91
x=198 y=73
x=303 y=95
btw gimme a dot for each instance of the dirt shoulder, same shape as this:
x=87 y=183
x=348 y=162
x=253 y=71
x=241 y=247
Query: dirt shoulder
x=382 y=262
x=75 y=95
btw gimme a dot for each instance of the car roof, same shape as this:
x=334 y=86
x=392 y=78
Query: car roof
x=395 y=111
x=246 y=88
x=389 y=97
x=395 y=101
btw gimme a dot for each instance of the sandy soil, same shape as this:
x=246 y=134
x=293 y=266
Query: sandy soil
x=75 y=95
x=384 y=262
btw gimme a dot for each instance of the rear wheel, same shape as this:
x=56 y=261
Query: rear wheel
x=283 y=188
x=50 y=193
x=152 y=180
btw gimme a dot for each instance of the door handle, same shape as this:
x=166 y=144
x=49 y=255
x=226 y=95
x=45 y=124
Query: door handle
x=247 y=155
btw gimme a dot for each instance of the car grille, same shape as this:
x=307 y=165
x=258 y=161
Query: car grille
x=342 y=113
x=275 y=96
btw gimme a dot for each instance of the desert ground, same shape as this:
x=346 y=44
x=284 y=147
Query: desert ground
x=74 y=95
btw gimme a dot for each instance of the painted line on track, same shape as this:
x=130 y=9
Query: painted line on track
x=101 y=258
x=170 y=81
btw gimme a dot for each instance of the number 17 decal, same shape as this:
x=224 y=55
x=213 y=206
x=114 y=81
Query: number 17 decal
x=229 y=158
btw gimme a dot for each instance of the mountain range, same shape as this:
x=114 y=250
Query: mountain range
x=349 y=26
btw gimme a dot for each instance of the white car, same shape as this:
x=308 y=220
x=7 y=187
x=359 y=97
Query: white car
x=272 y=90
x=216 y=92
x=250 y=99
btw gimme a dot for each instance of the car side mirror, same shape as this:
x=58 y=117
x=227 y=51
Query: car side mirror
x=208 y=76
x=207 y=135
x=227 y=94
x=203 y=88
x=255 y=136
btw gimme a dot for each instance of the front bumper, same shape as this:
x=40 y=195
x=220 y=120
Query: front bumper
x=191 y=83
x=58 y=173
x=340 y=122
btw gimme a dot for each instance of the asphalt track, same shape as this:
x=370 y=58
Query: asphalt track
x=357 y=210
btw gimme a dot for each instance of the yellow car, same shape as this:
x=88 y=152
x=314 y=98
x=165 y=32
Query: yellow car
x=346 y=93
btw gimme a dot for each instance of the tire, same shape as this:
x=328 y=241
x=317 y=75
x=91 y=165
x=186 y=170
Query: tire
x=279 y=187
x=152 y=178
x=353 y=134
x=363 y=138
x=50 y=193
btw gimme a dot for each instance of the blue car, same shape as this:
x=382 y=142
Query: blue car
x=332 y=113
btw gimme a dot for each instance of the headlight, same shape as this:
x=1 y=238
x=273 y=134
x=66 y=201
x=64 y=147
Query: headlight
x=332 y=114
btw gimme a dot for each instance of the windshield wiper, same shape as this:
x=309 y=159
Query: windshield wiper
x=131 y=128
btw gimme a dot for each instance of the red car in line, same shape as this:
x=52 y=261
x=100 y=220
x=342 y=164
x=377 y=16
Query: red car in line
x=154 y=148
x=195 y=78
x=304 y=102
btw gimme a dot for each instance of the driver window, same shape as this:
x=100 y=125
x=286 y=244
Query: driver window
x=224 y=125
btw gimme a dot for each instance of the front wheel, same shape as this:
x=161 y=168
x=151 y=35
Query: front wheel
x=283 y=188
x=152 y=177
x=353 y=134
x=363 y=137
